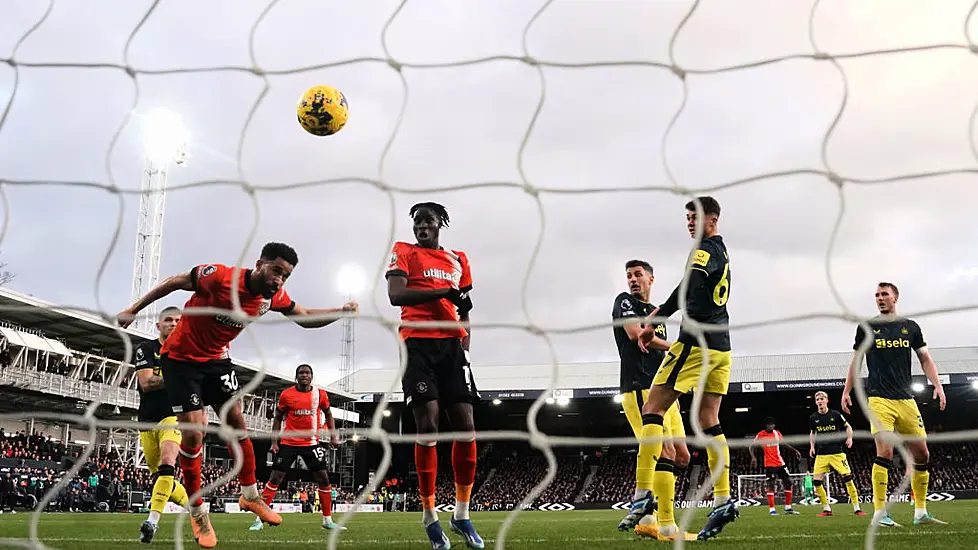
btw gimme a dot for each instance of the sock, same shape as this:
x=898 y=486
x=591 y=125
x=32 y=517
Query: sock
x=644 y=468
x=246 y=476
x=852 y=492
x=823 y=496
x=463 y=466
x=268 y=493
x=919 y=480
x=162 y=489
x=881 y=477
x=154 y=517
x=721 y=487
x=326 y=502
x=426 y=463
x=788 y=493
x=664 y=488
x=190 y=458
x=770 y=500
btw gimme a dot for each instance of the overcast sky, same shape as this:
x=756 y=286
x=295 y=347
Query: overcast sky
x=599 y=127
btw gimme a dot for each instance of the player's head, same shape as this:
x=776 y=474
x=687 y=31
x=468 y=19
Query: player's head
x=429 y=218
x=303 y=375
x=638 y=273
x=887 y=295
x=273 y=268
x=769 y=424
x=167 y=321
x=822 y=401
x=711 y=214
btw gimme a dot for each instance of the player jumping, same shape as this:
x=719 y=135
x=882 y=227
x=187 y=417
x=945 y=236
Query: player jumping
x=303 y=407
x=430 y=283
x=829 y=455
x=197 y=368
x=161 y=444
x=706 y=302
x=637 y=369
x=891 y=401
x=771 y=440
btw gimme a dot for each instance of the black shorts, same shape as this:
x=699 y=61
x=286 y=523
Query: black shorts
x=313 y=456
x=777 y=472
x=437 y=369
x=191 y=386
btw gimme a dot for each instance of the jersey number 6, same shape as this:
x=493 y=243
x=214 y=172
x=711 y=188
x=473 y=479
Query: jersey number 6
x=721 y=292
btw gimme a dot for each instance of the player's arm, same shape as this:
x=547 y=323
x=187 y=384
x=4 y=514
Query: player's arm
x=182 y=281
x=855 y=363
x=705 y=262
x=467 y=339
x=848 y=432
x=276 y=427
x=811 y=443
x=299 y=314
x=750 y=449
x=927 y=364
x=148 y=380
x=790 y=448
x=400 y=295
x=334 y=437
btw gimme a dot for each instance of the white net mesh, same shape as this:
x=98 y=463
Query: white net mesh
x=818 y=32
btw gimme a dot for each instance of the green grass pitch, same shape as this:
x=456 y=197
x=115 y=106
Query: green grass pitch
x=564 y=530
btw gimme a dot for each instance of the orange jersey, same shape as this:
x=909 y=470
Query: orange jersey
x=427 y=268
x=771 y=443
x=203 y=338
x=303 y=410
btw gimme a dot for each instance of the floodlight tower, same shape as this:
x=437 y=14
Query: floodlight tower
x=164 y=140
x=351 y=281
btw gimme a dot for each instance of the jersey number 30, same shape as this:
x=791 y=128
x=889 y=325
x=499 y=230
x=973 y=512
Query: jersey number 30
x=230 y=381
x=721 y=292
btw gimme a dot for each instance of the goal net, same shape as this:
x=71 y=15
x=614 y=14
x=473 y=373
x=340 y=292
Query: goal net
x=752 y=489
x=554 y=129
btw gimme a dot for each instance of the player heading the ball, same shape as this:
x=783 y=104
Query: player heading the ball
x=303 y=408
x=431 y=283
x=706 y=302
x=891 y=402
x=196 y=364
x=637 y=370
x=830 y=455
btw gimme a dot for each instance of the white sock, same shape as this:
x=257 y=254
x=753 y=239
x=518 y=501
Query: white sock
x=461 y=510
x=919 y=512
x=250 y=492
x=828 y=508
x=327 y=520
x=429 y=516
x=668 y=530
x=720 y=501
x=855 y=506
x=787 y=507
x=773 y=510
x=197 y=510
x=154 y=517
x=639 y=494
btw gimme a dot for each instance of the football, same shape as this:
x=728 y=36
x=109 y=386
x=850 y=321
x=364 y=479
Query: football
x=322 y=110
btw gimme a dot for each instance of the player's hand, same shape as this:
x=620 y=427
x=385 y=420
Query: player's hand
x=125 y=317
x=753 y=462
x=811 y=452
x=846 y=402
x=274 y=447
x=848 y=443
x=334 y=440
x=939 y=395
x=797 y=453
x=351 y=307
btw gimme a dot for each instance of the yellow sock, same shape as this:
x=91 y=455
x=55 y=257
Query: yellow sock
x=853 y=494
x=881 y=477
x=645 y=466
x=919 y=480
x=823 y=497
x=162 y=489
x=179 y=494
x=721 y=487
x=648 y=452
x=664 y=488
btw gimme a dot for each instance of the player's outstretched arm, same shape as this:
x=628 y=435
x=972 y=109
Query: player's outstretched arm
x=400 y=295
x=183 y=281
x=930 y=370
x=298 y=314
x=854 y=365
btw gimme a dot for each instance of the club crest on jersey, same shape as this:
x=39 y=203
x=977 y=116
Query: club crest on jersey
x=393 y=263
x=207 y=270
x=264 y=307
x=626 y=304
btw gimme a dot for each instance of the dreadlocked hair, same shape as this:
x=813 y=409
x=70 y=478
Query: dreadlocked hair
x=438 y=209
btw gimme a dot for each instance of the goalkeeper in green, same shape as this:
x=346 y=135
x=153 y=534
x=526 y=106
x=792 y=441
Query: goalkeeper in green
x=809 y=489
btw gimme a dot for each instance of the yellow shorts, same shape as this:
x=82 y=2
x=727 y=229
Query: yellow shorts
x=152 y=441
x=897 y=415
x=672 y=422
x=680 y=370
x=828 y=463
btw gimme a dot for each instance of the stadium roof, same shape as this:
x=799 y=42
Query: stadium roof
x=750 y=373
x=85 y=332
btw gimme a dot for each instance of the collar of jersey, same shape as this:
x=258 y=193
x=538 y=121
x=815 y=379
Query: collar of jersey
x=440 y=247
x=247 y=282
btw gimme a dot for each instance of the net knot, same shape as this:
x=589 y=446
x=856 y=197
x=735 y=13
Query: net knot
x=678 y=71
x=835 y=178
x=394 y=64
